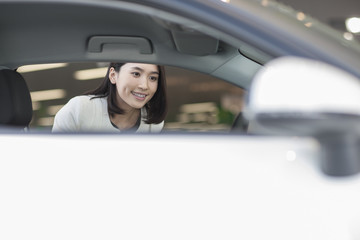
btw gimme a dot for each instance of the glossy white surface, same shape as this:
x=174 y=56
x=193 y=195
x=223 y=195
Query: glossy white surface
x=172 y=187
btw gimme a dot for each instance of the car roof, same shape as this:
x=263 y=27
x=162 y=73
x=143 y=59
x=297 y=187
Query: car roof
x=179 y=33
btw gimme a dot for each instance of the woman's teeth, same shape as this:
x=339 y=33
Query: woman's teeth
x=139 y=95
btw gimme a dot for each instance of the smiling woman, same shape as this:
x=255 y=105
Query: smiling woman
x=131 y=97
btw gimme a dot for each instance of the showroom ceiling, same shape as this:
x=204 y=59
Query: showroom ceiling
x=333 y=12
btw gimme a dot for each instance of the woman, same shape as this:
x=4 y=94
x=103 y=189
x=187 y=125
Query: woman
x=132 y=97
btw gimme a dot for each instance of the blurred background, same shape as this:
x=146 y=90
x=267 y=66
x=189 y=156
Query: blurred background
x=343 y=15
x=193 y=104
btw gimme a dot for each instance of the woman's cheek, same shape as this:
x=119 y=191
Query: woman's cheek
x=155 y=85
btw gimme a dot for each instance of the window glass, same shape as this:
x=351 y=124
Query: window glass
x=197 y=102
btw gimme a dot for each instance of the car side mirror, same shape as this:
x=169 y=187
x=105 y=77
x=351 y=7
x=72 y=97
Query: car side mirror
x=304 y=97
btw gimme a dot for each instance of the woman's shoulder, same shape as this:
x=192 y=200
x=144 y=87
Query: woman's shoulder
x=67 y=118
x=83 y=105
x=82 y=99
x=86 y=101
x=80 y=113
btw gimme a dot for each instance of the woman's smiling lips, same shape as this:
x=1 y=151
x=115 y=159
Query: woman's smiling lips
x=139 y=96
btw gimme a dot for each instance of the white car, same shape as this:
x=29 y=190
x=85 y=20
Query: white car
x=293 y=174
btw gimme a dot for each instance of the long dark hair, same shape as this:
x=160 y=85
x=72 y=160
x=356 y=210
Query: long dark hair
x=156 y=107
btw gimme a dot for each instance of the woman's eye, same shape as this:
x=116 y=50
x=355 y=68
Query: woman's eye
x=135 y=74
x=153 y=78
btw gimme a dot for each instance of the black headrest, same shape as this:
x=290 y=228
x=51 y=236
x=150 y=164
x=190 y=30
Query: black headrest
x=15 y=100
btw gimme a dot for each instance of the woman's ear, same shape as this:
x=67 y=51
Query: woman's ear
x=112 y=75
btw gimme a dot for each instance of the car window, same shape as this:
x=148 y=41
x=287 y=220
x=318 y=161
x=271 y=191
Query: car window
x=197 y=102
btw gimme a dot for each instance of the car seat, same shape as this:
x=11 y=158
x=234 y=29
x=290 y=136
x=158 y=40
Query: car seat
x=15 y=100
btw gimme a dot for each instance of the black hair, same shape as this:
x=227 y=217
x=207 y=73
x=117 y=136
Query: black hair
x=156 y=108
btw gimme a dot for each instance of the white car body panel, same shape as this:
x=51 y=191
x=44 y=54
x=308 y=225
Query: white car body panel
x=250 y=188
x=174 y=186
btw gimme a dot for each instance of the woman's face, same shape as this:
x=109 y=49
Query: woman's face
x=136 y=84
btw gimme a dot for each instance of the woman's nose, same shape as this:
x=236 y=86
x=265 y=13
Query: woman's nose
x=143 y=84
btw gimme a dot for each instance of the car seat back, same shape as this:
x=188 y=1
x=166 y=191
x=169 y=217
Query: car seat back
x=15 y=100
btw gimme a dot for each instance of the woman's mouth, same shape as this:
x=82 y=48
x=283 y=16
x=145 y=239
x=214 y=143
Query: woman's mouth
x=139 y=96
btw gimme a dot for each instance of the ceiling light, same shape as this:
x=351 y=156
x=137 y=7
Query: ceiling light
x=198 y=107
x=353 y=24
x=308 y=24
x=48 y=95
x=348 y=36
x=36 y=106
x=52 y=110
x=89 y=74
x=300 y=16
x=40 y=67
